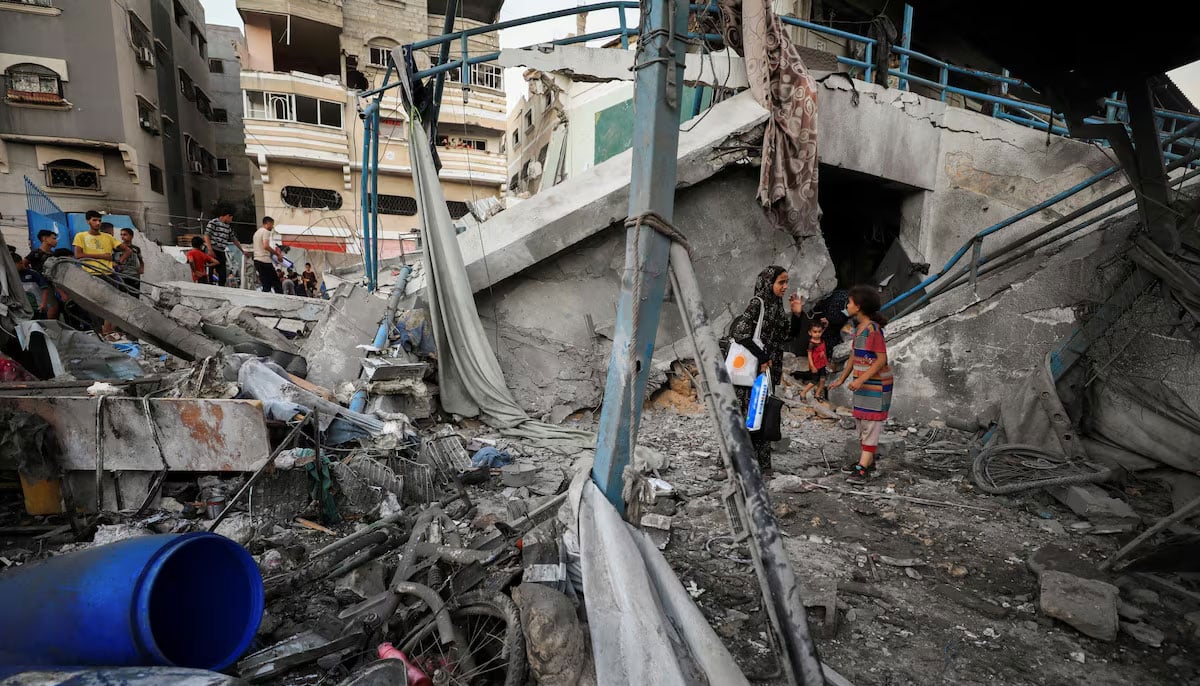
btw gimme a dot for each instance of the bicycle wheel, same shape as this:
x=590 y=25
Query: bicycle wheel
x=494 y=649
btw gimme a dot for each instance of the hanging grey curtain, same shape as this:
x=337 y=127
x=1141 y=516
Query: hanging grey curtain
x=469 y=376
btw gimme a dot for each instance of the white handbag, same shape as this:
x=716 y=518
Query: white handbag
x=740 y=363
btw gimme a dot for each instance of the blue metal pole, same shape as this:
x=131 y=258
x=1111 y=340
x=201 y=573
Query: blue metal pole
x=363 y=188
x=373 y=277
x=870 y=65
x=943 y=81
x=624 y=36
x=906 y=43
x=656 y=103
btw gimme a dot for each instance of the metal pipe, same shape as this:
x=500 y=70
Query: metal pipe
x=373 y=276
x=363 y=185
x=443 y=55
x=1027 y=213
x=785 y=607
x=906 y=43
x=570 y=11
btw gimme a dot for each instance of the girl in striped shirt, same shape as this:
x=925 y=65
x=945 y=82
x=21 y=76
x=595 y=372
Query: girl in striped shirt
x=872 y=378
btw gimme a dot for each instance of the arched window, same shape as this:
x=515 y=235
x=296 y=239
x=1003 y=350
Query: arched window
x=67 y=173
x=311 y=198
x=32 y=83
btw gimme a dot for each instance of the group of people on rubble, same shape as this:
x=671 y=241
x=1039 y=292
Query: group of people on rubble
x=209 y=261
x=853 y=313
x=107 y=254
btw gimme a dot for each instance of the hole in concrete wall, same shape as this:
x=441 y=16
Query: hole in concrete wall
x=860 y=222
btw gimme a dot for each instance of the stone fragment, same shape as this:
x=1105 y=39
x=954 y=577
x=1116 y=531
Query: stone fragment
x=237 y=527
x=554 y=639
x=187 y=316
x=113 y=533
x=1086 y=604
x=1059 y=559
x=360 y=584
x=1143 y=596
x=1132 y=613
x=170 y=505
x=789 y=483
x=1143 y=633
x=1091 y=501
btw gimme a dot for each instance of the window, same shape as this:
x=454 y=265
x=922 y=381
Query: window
x=72 y=174
x=147 y=115
x=197 y=201
x=516 y=139
x=377 y=55
x=156 y=179
x=397 y=204
x=139 y=34
x=223 y=166
x=203 y=104
x=528 y=121
x=186 y=86
x=483 y=75
x=34 y=84
x=38 y=3
x=181 y=16
x=311 y=198
x=168 y=127
x=288 y=107
x=216 y=66
x=393 y=129
x=220 y=115
x=462 y=143
x=458 y=209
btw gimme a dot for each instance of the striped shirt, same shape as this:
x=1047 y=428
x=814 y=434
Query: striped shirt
x=219 y=233
x=873 y=399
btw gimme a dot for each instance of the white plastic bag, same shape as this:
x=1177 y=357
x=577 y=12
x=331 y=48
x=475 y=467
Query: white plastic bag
x=758 y=401
x=740 y=363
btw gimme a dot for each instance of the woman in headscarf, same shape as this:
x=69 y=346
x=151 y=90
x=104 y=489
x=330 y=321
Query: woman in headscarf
x=778 y=325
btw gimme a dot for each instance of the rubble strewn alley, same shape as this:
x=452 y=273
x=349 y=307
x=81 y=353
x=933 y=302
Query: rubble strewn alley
x=627 y=417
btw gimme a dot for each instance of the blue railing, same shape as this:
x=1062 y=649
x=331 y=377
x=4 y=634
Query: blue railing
x=1003 y=106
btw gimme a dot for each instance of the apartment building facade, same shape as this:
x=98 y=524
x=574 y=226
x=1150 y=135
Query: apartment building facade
x=226 y=50
x=306 y=62
x=107 y=105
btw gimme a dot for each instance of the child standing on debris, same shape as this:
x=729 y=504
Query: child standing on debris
x=199 y=261
x=872 y=382
x=818 y=360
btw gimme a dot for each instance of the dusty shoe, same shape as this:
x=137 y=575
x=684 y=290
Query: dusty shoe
x=852 y=467
x=860 y=475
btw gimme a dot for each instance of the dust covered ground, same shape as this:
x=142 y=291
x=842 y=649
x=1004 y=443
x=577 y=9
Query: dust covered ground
x=965 y=612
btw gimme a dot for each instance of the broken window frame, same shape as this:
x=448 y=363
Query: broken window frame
x=82 y=176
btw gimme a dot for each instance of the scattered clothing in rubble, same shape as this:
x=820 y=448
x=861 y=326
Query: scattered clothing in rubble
x=10 y=370
x=781 y=84
x=490 y=457
x=413 y=333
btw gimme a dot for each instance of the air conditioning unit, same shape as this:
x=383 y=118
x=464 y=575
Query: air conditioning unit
x=145 y=56
x=148 y=124
x=197 y=168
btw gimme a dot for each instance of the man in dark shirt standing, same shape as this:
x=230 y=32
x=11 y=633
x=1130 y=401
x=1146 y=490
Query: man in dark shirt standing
x=130 y=266
x=217 y=235
x=48 y=241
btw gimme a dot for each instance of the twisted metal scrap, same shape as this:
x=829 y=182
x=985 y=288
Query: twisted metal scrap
x=1016 y=467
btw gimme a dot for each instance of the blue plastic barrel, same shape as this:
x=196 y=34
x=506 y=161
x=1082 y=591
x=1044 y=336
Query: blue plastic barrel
x=184 y=600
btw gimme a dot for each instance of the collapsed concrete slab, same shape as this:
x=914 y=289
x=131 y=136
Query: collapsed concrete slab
x=332 y=347
x=196 y=434
x=129 y=314
x=206 y=298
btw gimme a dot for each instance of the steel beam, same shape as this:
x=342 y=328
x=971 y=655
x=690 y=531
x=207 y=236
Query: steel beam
x=656 y=102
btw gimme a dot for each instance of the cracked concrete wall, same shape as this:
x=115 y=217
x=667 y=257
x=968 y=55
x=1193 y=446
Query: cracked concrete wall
x=962 y=353
x=551 y=354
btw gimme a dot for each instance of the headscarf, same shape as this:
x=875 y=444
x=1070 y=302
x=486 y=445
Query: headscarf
x=776 y=321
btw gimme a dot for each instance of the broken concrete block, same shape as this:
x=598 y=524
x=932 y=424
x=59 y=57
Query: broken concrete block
x=518 y=475
x=360 y=584
x=237 y=527
x=820 y=604
x=352 y=319
x=554 y=639
x=1088 y=500
x=112 y=533
x=1143 y=596
x=187 y=316
x=1086 y=604
x=658 y=528
x=1132 y=613
x=1143 y=633
x=789 y=483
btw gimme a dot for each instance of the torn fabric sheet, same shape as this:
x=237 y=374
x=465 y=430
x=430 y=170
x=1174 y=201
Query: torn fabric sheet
x=779 y=81
x=645 y=628
x=470 y=381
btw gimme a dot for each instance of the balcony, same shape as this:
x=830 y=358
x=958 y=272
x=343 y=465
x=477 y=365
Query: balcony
x=296 y=117
x=322 y=11
x=477 y=166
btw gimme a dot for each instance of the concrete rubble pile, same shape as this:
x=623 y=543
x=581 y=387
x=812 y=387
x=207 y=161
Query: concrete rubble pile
x=307 y=432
